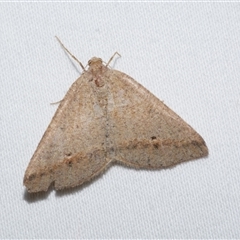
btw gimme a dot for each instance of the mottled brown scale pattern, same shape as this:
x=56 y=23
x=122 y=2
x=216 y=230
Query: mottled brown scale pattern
x=107 y=116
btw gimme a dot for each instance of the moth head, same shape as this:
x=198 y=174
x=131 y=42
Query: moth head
x=95 y=61
x=95 y=65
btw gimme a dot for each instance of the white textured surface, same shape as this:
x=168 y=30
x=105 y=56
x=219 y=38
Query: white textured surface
x=187 y=54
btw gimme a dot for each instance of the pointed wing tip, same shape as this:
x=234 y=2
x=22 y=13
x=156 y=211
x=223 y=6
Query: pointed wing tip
x=37 y=180
x=34 y=184
x=199 y=149
x=69 y=174
x=204 y=152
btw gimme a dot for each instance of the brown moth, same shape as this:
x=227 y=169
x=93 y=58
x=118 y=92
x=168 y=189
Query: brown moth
x=105 y=117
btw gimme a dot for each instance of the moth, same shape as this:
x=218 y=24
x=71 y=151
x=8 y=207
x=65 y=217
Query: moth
x=105 y=117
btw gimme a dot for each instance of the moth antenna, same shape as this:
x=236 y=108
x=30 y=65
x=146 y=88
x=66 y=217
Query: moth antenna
x=70 y=53
x=116 y=53
x=56 y=102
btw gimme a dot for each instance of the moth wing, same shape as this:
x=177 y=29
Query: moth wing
x=72 y=150
x=145 y=132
